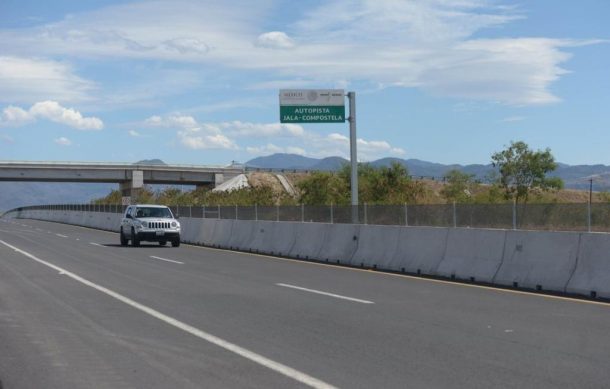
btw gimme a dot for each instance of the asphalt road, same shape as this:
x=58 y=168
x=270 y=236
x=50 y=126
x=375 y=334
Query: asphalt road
x=79 y=311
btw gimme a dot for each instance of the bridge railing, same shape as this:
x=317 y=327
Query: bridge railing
x=556 y=217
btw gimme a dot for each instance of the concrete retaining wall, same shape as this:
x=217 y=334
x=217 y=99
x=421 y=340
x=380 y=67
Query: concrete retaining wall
x=571 y=262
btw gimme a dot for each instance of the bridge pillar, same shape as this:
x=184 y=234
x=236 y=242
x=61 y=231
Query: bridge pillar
x=130 y=190
x=219 y=178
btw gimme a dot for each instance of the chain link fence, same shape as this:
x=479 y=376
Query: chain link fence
x=552 y=217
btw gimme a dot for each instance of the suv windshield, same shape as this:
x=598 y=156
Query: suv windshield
x=153 y=212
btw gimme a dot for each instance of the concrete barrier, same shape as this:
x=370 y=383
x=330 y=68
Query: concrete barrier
x=340 y=244
x=473 y=254
x=420 y=249
x=308 y=240
x=592 y=272
x=275 y=238
x=206 y=231
x=189 y=230
x=377 y=246
x=538 y=259
x=222 y=232
x=242 y=234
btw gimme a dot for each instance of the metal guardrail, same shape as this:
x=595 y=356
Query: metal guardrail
x=550 y=217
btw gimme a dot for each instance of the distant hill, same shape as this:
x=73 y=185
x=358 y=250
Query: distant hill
x=150 y=162
x=283 y=161
x=574 y=177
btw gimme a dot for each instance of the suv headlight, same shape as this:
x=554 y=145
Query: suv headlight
x=145 y=224
x=175 y=224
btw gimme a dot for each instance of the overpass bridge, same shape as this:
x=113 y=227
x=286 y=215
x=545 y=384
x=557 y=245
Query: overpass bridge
x=130 y=177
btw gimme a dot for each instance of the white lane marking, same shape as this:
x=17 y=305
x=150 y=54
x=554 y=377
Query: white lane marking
x=326 y=294
x=61 y=236
x=167 y=260
x=252 y=356
x=96 y=244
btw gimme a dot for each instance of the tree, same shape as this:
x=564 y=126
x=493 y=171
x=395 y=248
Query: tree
x=458 y=187
x=522 y=170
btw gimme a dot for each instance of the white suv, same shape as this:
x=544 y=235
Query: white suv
x=151 y=223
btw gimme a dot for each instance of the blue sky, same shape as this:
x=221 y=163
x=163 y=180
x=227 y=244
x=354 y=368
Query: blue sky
x=196 y=82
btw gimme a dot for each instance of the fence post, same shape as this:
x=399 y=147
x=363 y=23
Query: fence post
x=190 y=211
x=332 y=216
x=277 y=212
x=256 y=212
x=302 y=212
x=235 y=211
x=514 y=214
x=589 y=216
x=365 y=214
x=454 y=216
x=218 y=211
x=406 y=216
x=203 y=211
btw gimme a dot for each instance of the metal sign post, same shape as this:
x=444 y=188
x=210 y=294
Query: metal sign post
x=353 y=154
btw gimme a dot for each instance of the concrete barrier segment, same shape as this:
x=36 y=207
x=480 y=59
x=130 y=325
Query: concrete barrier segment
x=340 y=244
x=472 y=254
x=271 y=237
x=377 y=246
x=222 y=232
x=420 y=249
x=538 y=260
x=309 y=240
x=592 y=274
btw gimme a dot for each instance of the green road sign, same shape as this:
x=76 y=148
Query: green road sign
x=312 y=106
x=312 y=114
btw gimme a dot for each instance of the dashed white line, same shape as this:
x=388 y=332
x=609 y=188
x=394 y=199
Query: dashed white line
x=61 y=236
x=167 y=260
x=338 y=296
x=250 y=355
x=96 y=244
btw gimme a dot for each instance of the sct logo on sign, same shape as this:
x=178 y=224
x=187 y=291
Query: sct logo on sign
x=312 y=106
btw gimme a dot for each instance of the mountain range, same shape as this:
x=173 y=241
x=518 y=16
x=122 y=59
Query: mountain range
x=18 y=194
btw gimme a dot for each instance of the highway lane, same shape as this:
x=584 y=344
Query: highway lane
x=414 y=332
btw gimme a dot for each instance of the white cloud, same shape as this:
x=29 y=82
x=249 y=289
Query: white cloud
x=426 y=44
x=134 y=133
x=199 y=141
x=50 y=110
x=296 y=140
x=62 y=141
x=275 y=40
x=27 y=80
x=270 y=148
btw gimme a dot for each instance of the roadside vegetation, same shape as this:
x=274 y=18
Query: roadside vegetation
x=522 y=176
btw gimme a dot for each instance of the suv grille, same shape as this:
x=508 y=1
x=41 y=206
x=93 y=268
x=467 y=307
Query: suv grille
x=158 y=225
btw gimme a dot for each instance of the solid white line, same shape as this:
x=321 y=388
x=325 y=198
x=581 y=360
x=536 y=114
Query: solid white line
x=327 y=294
x=165 y=259
x=61 y=236
x=252 y=356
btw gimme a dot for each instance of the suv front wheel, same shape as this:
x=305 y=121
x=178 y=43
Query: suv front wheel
x=124 y=240
x=134 y=238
